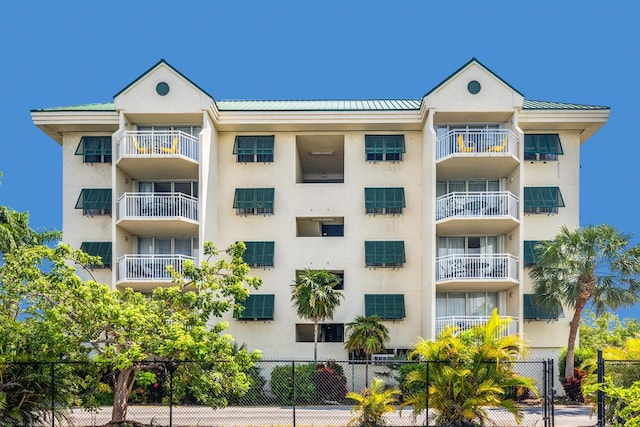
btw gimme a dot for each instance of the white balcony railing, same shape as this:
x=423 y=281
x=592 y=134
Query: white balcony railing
x=477 y=204
x=149 y=267
x=481 y=142
x=476 y=267
x=464 y=323
x=158 y=144
x=157 y=205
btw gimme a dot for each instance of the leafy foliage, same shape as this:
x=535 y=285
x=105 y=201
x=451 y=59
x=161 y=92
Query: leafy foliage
x=468 y=371
x=282 y=383
x=367 y=335
x=330 y=381
x=373 y=403
x=595 y=264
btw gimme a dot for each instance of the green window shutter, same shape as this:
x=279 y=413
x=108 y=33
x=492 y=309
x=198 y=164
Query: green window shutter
x=256 y=200
x=543 y=197
x=380 y=198
x=385 y=306
x=533 y=310
x=259 y=254
x=529 y=257
x=384 y=253
x=101 y=249
x=264 y=199
x=373 y=144
x=542 y=144
x=394 y=144
x=94 y=198
x=257 y=307
x=254 y=148
x=243 y=198
x=264 y=145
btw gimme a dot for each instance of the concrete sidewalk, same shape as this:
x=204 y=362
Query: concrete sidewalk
x=574 y=416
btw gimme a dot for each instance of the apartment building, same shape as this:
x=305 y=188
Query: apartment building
x=427 y=208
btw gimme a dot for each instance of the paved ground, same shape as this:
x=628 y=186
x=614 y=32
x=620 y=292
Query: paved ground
x=565 y=416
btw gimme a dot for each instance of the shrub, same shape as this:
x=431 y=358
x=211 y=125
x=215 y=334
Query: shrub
x=573 y=386
x=330 y=381
x=373 y=403
x=282 y=383
x=405 y=369
x=255 y=393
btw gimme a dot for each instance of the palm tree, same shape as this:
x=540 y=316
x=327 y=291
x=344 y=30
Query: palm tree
x=373 y=403
x=591 y=264
x=314 y=297
x=367 y=335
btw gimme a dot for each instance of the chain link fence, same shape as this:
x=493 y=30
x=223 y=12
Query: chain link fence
x=279 y=393
x=614 y=377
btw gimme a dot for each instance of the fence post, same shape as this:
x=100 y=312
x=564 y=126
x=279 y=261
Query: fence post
x=426 y=394
x=53 y=394
x=293 y=387
x=552 y=390
x=171 y=369
x=600 y=391
x=545 y=390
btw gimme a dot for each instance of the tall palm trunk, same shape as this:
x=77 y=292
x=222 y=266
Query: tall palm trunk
x=315 y=342
x=121 y=392
x=584 y=296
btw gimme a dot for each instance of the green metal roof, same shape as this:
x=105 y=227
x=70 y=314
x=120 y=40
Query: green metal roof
x=330 y=105
x=550 y=105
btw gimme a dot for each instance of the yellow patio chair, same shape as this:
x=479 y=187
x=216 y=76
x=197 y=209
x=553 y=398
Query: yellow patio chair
x=174 y=148
x=141 y=148
x=462 y=147
x=499 y=148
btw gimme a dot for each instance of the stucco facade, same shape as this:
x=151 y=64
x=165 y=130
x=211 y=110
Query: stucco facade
x=473 y=186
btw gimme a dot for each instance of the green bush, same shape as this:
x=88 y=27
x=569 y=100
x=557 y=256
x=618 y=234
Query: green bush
x=408 y=388
x=330 y=381
x=282 y=383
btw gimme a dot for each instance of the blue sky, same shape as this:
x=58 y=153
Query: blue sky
x=74 y=52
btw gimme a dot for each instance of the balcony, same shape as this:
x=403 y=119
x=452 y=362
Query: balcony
x=493 y=271
x=493 y=212
x=141 y=154
x=143 y=273
x=471 y=153
x=158 y=213
x=467 y=322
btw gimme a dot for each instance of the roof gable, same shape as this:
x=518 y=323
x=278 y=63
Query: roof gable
x=162 y=89
x=474 y=87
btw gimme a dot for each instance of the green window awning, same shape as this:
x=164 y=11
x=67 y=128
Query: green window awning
x=380 y=198
x=101 y=249
x=385 y=306
x=378 y=144
x=384 y=253
x=257 y=307
x=94 y=146
x=548 y=143
x=94 y=198
x=260 y=200
x=529 y=257
x=259 y=254
x=543 y=197
x=533 y=310
x=260 y=146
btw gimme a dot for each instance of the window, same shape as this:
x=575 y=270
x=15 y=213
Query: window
x=189 y=188
x=256 y=307
x=259 y=254
x=95 y=149
x=384 y=200
x=384 y=253
x=253 y=201
x=250 y=149
x=542 y=146
x=186 y=246
x=385 y=306
x=327 y=332
x=388 y=148
x=466 y=186
x=542 y=199
x=95 y=201
x=101 y=249
x=465 y=303
x=189 y=130
x=530 y=257
x=534 y=310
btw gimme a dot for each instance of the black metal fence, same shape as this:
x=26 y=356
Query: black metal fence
x=621 y=374
x=280 y=393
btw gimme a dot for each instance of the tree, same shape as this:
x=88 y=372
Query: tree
x=467 y=371
x=125 y=329
x=313 y=296
x=367 y=335
x=593 y=264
